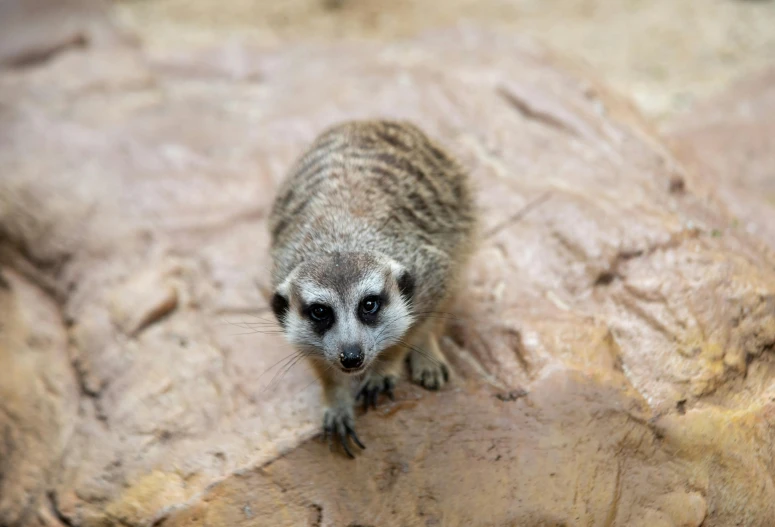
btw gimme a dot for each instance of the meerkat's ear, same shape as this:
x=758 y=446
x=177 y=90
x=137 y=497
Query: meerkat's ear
x=406 y=285
x=280 y=303
x=404 y=280
x=280 y=307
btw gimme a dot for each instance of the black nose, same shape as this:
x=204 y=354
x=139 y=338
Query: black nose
x=351 y=356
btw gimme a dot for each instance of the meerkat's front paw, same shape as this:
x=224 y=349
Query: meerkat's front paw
x=428 y=371
x=374 y=384
x=340 y=421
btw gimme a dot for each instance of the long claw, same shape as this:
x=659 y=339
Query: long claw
x=388 y=389
x=369 y=393
x=339 y=422
x=347 y=448
x=341 y=430
x=445 y=372
x=328 y=431
x=365 y=394
x=354 y=437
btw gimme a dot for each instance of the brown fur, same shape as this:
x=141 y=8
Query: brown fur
x=378 y=187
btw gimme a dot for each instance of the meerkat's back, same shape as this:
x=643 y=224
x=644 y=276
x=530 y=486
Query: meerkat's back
x=370 y=231
x=376 y=185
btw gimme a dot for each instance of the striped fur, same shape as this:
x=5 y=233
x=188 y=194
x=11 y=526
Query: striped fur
x=373 y=210
x=380 y=186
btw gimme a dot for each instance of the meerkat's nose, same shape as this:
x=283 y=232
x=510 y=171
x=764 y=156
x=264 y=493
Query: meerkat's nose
x=351 y=356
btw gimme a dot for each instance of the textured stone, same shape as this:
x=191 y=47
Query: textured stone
x=732 y=139
x=613 y=355
x=34 y=31
x=38 y=397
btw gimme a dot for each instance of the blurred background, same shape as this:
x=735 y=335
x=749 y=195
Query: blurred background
x=663 y=53
x=623 y=322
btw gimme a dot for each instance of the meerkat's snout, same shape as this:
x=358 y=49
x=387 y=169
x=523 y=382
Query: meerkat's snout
x=351 y=357
x=345 y=308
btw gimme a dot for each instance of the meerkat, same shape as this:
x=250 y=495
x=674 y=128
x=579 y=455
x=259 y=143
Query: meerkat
x=370 y=231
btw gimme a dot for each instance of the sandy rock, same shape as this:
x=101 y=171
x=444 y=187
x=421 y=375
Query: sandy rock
x=613 y=356
x=143 y=300
x=38 y=397
x=664 y=54
x=34 y=31
x=732 y=139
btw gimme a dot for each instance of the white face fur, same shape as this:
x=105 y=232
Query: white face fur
x=346 y=308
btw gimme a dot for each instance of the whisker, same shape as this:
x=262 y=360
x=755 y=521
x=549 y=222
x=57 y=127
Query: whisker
x=262 y=319
x=284 y=359
x=249 y=325
x=315 y=379
x=285 y=369
x=257 y=332
x=256 y=325
x=386 y=326
x=421 y=352
x=252 y=325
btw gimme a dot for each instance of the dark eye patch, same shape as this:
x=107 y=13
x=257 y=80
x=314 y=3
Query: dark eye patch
x=321 y=317
x=370 y=307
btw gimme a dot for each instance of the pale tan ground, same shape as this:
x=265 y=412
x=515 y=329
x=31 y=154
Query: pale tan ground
x=614 y=357
x=665 y=54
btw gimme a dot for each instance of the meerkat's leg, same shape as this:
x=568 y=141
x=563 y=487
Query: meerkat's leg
x=339 y=418
x=382 y=377
x=427 y=364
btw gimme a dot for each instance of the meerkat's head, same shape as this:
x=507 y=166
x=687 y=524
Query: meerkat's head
x=345 y=307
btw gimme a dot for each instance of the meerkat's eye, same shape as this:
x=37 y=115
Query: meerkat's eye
x=370 y=305
x=319 y=312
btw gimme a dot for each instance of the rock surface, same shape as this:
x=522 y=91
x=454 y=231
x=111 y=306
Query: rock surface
x=732 y=139
x=613 y=356
x=663 y=54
